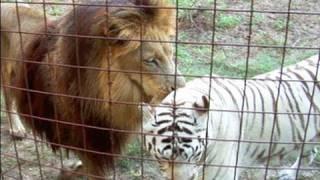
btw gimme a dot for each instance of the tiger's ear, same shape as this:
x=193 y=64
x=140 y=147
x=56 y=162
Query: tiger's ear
x=202 y=105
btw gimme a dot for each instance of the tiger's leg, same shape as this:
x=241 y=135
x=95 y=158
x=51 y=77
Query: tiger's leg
x=308 y=155
x=290 y=174
x=314 y=153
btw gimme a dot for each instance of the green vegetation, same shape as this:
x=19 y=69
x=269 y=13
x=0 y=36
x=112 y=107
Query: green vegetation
x=133 y=150
x=258 y=18
x=196 y=61
x=265 y=38
x=185 y=3
x=55 y=11
x=279 y=24
x=228 y=21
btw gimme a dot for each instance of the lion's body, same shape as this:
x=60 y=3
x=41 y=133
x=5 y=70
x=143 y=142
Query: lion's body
x=69 y=84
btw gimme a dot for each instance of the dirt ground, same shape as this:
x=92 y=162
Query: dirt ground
x=31 y=163
x=20 y=156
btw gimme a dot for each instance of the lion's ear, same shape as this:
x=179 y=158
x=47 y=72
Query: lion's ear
x=116 y=34
x=159 y=13
x=143 y=4
x=130 y=23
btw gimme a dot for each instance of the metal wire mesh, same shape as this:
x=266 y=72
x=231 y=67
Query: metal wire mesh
x=200 y=26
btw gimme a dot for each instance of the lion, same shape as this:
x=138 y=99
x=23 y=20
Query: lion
x=85 y=74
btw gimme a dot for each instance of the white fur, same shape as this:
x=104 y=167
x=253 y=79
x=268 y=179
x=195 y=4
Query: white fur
x=225 y=125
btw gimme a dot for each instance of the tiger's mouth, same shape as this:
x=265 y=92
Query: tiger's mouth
x=178 y=172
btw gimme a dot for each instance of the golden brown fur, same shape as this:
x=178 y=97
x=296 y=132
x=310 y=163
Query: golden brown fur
x=50 y=113
x=11 y=45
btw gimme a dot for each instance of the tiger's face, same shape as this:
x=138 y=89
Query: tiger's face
x=175 y=135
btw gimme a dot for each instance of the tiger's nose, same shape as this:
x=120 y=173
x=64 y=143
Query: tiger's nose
x=177 y=151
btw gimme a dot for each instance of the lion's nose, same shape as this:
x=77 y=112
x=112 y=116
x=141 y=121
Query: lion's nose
x=180 y=82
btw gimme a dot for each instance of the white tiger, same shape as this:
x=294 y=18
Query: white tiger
x=176 y=134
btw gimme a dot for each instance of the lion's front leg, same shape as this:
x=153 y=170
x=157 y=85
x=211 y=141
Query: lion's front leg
x=16 y=128
x=73 y=169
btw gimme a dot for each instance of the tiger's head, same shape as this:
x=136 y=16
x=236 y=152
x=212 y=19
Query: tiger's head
x=175 y=134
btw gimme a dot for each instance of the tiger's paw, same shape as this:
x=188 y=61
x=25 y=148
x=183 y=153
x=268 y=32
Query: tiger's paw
x=287 y=175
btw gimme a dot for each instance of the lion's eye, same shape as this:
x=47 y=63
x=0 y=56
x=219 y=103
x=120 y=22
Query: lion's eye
x=151 y=61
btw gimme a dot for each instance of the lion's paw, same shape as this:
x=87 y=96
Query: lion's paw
x=72 y=170
x=16 y=128
x=17 y=135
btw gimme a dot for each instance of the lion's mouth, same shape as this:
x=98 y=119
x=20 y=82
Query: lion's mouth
x=158 y=98
x=147 y=99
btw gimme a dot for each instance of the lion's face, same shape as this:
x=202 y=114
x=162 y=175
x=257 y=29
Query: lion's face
x=155 y=61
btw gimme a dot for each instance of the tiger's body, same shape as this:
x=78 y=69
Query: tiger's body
x=182 y=130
